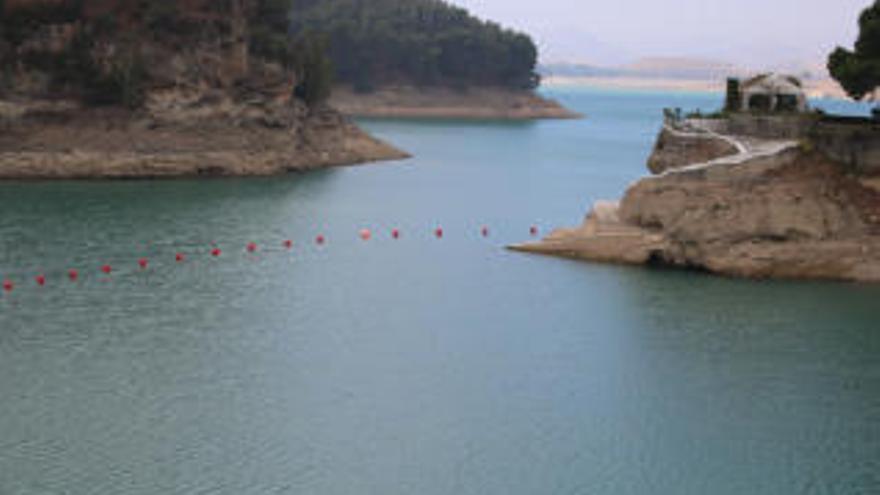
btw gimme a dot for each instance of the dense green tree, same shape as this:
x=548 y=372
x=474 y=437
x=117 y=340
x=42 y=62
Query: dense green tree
x=425 y=42
x=313 y=69
x=858 y=71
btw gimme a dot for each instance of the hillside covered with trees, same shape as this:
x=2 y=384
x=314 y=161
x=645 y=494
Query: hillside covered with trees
x=422 y=42
x=111 y=52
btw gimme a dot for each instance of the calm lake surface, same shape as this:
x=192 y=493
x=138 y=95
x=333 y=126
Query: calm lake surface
x=418 y=366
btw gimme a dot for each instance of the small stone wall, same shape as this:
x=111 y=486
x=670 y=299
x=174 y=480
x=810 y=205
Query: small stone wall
x=789 y=127
x=853 y=142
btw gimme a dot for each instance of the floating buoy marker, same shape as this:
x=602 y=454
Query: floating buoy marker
x=8 y=285
x=73 y=275
x=41 y=280
x=288 y=244
x=107 y=269
x=143 y=263
x=533 y=231
x=252 y=247
x=365 y=234
x=395 y=234
x=320 y=240
x=484 y=231
x=439 y=232
x=216 y=252
x=179 y=257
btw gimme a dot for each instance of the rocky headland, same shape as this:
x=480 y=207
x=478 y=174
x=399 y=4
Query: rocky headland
x=745 y=198
x=476 y=103
x=143 y=90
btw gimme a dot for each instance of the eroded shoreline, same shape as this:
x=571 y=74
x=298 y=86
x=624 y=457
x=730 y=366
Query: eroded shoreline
x=407 y=102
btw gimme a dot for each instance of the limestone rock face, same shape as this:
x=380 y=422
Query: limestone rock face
x=784 y=214
x=679 y=149
x=180 y=133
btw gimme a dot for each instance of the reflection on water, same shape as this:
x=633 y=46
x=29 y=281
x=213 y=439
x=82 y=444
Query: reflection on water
x=416 y=366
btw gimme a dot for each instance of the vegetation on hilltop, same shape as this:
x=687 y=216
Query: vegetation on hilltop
x=424 y=42
x=858 y=71
x=109 y=52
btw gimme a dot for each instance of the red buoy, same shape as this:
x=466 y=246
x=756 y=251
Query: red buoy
x=216 y=252
x=439 y=233
x=395 y=234
x=179 y=257
x=143 y=263
x=41 y=280
x=366 y=235
x=107 y=269
x=533 y=231
x=73 y=275
x=8 y=285
x=484 y=231
x=288 y=244
x=320 y=240
x=252 y=247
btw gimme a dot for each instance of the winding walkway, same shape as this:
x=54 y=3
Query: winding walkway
x=749 y=148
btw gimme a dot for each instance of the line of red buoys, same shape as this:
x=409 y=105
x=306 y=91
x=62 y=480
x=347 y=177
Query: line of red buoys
x=252 y=247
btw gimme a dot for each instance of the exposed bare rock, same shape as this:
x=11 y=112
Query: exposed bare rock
x=180 y=134
x=777 y=213
x=679 y=149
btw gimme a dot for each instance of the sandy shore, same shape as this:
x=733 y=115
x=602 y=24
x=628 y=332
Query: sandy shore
x=442 y=103
x=823 y=88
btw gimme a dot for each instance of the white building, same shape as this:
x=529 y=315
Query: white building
x=772 y=93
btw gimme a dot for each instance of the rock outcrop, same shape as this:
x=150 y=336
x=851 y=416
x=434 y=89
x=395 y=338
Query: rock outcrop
x=675 y=149
x=118 y=90
x=179 y=135
x=778 y=211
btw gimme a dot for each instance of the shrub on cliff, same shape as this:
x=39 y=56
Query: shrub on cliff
x=858 y=71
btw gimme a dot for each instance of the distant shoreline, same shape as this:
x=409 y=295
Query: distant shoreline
x=409 y=102
x=822 y=88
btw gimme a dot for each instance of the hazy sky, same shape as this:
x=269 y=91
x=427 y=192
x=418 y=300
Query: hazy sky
x=749 y=32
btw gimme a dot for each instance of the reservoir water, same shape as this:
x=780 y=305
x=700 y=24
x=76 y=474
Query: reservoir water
x=417 y=366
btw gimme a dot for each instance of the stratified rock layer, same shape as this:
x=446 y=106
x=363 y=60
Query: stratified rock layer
x=778 y=212
x=181 y=135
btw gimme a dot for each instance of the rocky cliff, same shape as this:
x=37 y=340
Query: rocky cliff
x=775 y=210
x=159 y=90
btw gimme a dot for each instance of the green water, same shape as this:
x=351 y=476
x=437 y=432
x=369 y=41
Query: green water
x=418 y=366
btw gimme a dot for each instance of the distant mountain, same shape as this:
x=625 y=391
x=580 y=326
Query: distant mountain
x=683 y=68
